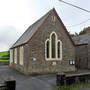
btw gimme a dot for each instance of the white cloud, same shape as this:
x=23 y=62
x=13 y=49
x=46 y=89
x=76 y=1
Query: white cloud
x=8 y=36
x=17 y=15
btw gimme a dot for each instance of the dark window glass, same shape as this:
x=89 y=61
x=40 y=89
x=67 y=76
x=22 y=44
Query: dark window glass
x=58 y=49
x=47 y=45
x=53 y=46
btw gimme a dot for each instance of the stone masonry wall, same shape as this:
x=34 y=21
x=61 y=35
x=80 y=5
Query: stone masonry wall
x=35 y=50
x=82 y=56
x=88 y=55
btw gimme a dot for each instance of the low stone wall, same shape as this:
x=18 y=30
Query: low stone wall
x=62 y=80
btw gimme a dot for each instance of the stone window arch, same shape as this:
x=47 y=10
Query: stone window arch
x=53 y=47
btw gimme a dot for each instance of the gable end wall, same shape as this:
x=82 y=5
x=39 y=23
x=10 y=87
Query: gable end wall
x=35 y=48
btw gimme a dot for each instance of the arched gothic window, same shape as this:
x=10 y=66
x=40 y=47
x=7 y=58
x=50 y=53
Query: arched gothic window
x=53 y=48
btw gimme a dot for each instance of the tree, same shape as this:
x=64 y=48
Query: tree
x=82 y=32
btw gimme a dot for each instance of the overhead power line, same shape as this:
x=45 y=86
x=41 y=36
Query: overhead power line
x=75 y=6
x=79 y=23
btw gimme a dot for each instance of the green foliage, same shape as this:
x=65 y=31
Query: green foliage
x=4 y=55
x=4 y=60
x=82 y=32
x=73 y=86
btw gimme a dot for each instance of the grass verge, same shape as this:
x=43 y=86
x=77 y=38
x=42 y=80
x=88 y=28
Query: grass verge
x=73 y=86
x=4 y=60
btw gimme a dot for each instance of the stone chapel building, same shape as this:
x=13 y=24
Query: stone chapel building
x=45 y=47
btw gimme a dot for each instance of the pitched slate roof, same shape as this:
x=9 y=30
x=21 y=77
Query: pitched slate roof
x=34 y=27
x=29 y=32
x=82 y=39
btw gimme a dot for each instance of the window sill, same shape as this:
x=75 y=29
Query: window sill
x=53 y=59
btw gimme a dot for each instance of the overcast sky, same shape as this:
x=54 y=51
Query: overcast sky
x=17 y=15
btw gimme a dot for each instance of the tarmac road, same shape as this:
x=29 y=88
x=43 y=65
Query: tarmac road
x=42 y=82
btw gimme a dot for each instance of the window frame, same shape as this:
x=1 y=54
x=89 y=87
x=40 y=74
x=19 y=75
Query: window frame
x=15 y=55
x=11 y=56
x=21 y=49
x=56 y=48
x=73 y=62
